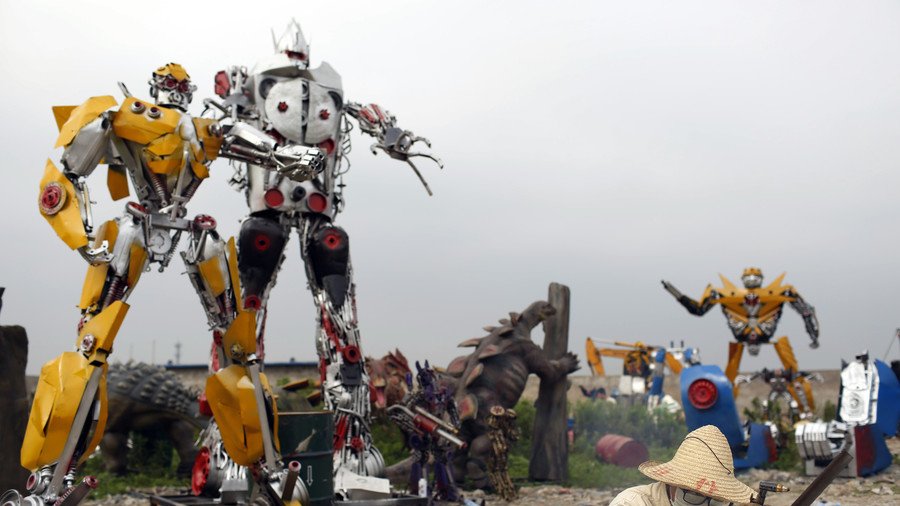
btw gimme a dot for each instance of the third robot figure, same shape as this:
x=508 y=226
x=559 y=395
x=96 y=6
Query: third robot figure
x=753 y=313
x=296 y=105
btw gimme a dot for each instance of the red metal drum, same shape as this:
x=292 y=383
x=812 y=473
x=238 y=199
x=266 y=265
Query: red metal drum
x=621 y=450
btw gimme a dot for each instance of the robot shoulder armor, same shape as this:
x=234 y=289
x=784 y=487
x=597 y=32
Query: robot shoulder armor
x=326 y=76
x=142 y=122
x=71 y=119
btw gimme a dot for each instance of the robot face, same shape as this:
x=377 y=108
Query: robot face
x=293 y=44
x=752 y=277
x=170 y=86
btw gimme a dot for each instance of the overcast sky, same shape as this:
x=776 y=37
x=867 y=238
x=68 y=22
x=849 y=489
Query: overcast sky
x=604 y=145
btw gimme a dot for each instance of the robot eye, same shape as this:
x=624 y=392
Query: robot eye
x=170 y=83
x=296 y=55
x=184 y=86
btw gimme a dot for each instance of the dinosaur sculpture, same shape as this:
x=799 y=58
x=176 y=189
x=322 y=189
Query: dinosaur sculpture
x=387 y=379
x=495 y=374
x=144 y=397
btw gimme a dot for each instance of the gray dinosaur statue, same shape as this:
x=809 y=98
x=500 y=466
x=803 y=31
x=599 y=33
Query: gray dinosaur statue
x=147 y=398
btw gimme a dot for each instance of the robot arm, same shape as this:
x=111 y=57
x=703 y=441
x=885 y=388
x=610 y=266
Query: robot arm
x=707 y=301
x=246 y=143
x=809 y=316
x=85 y=134
x=389 y=138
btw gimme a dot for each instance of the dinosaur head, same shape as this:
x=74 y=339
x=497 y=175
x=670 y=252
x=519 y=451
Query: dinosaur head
x=533 y=315
x=387 y=379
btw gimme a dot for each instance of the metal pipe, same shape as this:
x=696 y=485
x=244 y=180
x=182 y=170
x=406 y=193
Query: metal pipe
x=815 y=489
x=287 y=493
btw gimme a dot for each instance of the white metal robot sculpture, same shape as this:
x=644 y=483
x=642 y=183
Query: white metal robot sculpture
x=301 y=106
x=166 y=155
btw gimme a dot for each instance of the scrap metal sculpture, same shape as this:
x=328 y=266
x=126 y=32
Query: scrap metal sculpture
x=503 y=433
x=779 y=406
x=165 y=153
x=300 y=108
x=752 y=313
x=429 y=419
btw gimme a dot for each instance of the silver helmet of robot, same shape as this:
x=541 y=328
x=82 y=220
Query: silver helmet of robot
x=752 y=277
x=170 y=86
x=293 y=44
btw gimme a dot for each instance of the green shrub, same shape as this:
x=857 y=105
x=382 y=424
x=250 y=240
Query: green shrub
x=593 y=420
x=829 y=411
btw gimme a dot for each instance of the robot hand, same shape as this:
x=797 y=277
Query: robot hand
x=299 y=163
x=814 y=343
x=394 y=141
x=671 y=289
x=246 y=143
x=397 y=143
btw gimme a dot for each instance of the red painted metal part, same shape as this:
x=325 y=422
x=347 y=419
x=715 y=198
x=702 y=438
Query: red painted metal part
x=200 y=472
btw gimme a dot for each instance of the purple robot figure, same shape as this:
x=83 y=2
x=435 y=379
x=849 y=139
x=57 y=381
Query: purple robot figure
x=429 y=419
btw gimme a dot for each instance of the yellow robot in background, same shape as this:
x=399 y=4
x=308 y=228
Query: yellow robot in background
x=165 y=153
x=752 y=313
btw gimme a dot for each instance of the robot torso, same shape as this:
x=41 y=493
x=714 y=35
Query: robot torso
x=297 y=107
x=753 y=313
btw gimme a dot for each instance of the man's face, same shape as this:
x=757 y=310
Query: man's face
x=684 y=497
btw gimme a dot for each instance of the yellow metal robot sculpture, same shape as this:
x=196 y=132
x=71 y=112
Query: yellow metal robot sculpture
x=752 y=313
x=166 y=154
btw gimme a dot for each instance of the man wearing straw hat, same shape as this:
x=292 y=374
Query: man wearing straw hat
x=700 y=474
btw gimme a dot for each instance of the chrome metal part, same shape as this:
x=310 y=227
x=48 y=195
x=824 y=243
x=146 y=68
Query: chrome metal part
x=859 y=392
x=89 y=146
x=261 y=409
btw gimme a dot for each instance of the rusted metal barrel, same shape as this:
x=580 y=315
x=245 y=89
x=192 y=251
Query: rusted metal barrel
x=621 y=450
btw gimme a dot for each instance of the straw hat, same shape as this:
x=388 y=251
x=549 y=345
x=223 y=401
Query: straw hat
x=703 y=463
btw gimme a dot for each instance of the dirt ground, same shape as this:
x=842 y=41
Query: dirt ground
x=880 y=490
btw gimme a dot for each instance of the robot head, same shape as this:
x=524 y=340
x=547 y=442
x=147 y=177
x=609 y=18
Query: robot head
x=752 y=277
x=170 y=86
x=293 y=44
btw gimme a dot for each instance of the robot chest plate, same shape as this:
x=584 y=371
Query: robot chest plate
x=303 y=111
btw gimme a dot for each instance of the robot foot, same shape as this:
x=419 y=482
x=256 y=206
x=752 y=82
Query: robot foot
x=70 y=497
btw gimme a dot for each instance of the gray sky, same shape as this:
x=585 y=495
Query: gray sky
x=605 y=145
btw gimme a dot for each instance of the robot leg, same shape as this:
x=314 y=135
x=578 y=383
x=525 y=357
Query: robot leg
x=68 y=414
x=444 y=485
x=800 y=389
x=735 y=352
x=261 y=244
x=345 y=383
x=239 y=395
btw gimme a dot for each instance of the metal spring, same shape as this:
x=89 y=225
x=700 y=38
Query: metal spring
x=115 y=291
x=168 y=258
x=191 y=189
x=159 y=186
x=227 y=306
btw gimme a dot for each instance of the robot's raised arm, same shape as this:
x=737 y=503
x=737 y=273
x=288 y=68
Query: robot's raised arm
x=707 y=301
x=395 y=141
x=809 y=316
x=86 y=135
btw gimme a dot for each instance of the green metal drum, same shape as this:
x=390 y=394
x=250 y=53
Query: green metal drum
x=313 y=433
